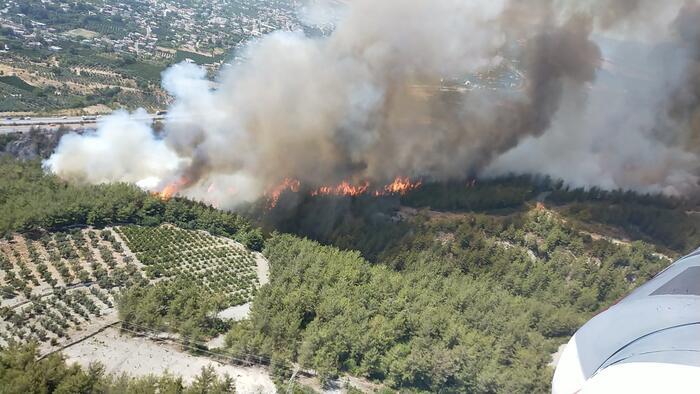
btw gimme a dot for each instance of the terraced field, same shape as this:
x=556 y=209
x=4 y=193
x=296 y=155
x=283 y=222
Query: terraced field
x=59 y=287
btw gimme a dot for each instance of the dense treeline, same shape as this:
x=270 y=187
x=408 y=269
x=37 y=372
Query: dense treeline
x=534 y=254
x=30 y=199
x=676 y=229
x=560 y=194
x=371 y=224
x=470 y=300
x=668 y=221
x=473 y=195
x=332 y=311
x=364 y=223
x=172 y=306
x=22 y=372
x=462 y=303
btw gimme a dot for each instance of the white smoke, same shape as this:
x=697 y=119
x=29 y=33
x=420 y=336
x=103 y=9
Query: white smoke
x=363 y=103
x=124 y=149
x=324 y=14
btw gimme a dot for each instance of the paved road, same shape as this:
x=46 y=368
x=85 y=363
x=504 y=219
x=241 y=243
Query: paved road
x=16 y=124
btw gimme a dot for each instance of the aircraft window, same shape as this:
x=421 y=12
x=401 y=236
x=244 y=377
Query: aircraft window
x=687 y=282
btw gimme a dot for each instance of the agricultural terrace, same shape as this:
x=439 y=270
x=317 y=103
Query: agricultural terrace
x=217 y=265
x=59 y=287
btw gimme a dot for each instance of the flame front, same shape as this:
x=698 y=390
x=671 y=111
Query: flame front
x=342 y=189
x=273 y=195
x=172 y=189
x=401 y=185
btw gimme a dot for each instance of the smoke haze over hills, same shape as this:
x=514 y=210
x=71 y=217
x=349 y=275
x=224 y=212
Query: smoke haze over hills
x=609 y=97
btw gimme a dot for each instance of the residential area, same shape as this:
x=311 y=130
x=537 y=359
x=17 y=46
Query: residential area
x=94 y=56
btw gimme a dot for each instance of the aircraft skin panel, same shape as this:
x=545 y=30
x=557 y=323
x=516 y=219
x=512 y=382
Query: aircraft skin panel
x=643 y=378
x=658 y=323
x=679 y=345
x=663 y=277
x=685 y=283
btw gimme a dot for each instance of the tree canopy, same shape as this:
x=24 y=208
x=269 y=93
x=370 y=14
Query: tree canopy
x=464 y=303
x=31 y=199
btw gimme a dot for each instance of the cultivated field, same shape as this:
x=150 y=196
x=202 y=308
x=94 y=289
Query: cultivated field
x=218 y=265
x=69 y=88
x=58 y=288
x=61 y=286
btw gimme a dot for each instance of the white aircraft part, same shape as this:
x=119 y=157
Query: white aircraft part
x=653 y=332
x=643 y=378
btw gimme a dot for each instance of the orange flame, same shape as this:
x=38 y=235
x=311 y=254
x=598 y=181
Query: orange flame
x=342 y=189
x=274 y=194
x=401 y=185
x=172 y=189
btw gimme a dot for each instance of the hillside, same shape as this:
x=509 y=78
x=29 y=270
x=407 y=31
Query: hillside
x=448 y=288
x=450 y=301
x=402 y=196
x=77 y=281
x=369 y=224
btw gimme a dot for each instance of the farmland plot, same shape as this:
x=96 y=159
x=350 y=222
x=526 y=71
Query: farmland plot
x=217 y=265
x=60 y=287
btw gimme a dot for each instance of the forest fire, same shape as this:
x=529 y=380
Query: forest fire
x=273 y=194
x=342 y=189
x=400 y=186
x=172 y=189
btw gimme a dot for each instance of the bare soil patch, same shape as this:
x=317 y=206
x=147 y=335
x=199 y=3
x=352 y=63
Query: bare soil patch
x=137 y=356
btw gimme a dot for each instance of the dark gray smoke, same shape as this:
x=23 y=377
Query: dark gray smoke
x=371 y=102
x=631 y=130
x=684 y=102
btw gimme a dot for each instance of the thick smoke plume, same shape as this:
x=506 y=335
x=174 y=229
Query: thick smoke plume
x=634 y=128
x=371 y=101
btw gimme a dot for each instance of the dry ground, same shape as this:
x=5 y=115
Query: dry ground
x=138 y=356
